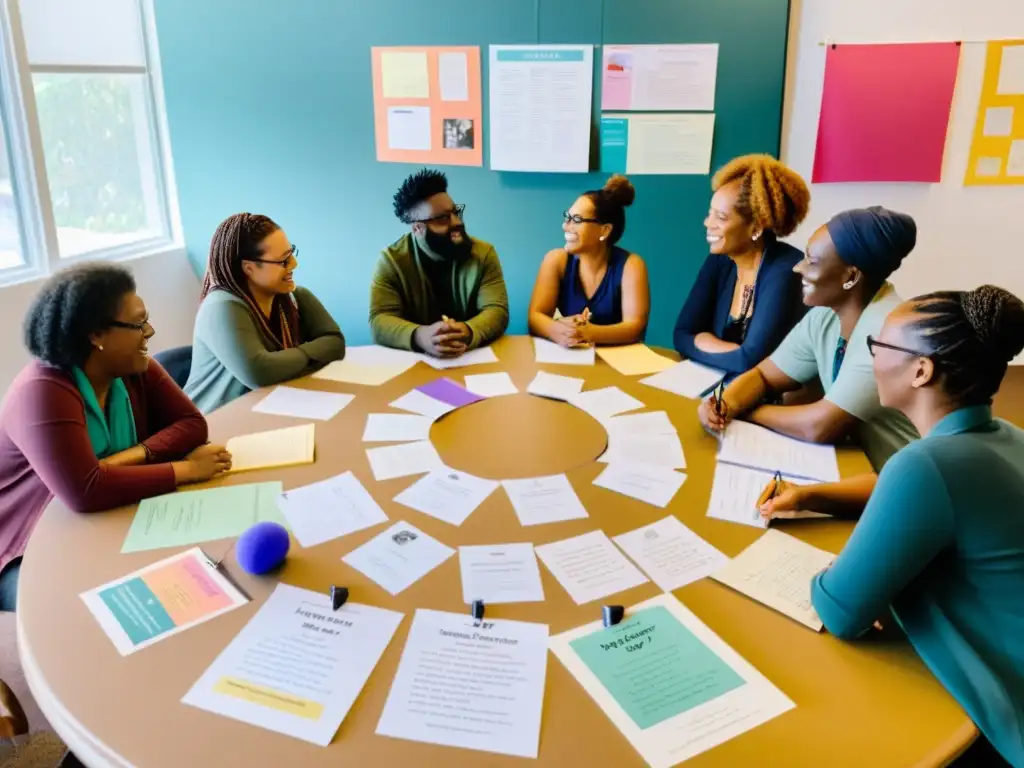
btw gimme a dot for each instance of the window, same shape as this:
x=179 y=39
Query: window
x=82 y=97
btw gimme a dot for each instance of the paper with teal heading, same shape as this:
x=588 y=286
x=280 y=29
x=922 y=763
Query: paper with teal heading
x=614 y=144
x=137 y=610
x=189 y=517
x=654 y=667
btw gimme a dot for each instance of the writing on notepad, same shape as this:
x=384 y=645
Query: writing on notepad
x=749 y=445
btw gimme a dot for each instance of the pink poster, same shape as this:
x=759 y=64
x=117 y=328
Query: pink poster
x=617 y=79
x=885 y=111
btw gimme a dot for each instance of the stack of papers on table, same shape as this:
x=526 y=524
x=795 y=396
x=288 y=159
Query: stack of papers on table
x=735 y=492
x=549 y=352
x=687 y=379
x=753 y=446
x=669 y=683
x=604 y=403
x=303 y=403
x=298 y=666
x=634 y=359
x=655 y=450
x=479 y=356
x=650 y=484
x=276 y=448
x=393 y=461
x=370 y=365
x=776 y=570
x=650 y=423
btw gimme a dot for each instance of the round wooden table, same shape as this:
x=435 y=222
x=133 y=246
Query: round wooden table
x=866 y=703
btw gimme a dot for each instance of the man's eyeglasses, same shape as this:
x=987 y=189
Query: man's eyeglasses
x=575 y=218
x=457 y=211
x=873 y=342
x=132 y=326
x=292 y=254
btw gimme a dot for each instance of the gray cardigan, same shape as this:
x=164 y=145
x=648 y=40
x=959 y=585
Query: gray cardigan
x=231 y=355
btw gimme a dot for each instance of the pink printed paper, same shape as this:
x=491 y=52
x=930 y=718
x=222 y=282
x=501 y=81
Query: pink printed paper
x=885 y=112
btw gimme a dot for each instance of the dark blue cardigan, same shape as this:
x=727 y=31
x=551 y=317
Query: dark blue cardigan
x=778 y=306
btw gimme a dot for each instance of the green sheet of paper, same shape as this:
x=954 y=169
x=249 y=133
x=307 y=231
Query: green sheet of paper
x=654 y=667
x=189 y=517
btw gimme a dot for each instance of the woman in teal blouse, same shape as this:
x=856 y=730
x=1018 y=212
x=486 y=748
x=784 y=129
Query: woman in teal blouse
x=941 y=539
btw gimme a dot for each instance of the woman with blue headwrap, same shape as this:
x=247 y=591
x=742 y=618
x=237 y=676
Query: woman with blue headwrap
x=844 y=280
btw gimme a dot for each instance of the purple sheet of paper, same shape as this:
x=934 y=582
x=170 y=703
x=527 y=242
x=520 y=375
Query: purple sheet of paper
x=447 y=391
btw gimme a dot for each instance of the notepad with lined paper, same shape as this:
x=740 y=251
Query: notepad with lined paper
x=277 y=448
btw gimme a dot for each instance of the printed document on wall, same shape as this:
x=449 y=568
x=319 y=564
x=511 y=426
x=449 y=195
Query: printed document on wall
x=540 y=107
x=659 y=77
x=669 y=683
x=657 y=144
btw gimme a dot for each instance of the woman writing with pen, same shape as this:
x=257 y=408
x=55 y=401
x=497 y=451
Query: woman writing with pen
x=599 y=289
x=940 y=543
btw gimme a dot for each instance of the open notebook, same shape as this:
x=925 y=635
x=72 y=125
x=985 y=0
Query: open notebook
x=276 y=448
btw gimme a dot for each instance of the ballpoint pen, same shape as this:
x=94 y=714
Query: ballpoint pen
x=719 y=394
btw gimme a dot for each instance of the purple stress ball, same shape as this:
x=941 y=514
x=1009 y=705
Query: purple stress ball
x=262 y=548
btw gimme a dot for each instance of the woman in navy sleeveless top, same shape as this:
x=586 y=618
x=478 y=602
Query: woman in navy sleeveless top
x=600 y=290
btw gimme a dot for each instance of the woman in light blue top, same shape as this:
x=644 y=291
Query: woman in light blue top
x=941 y=540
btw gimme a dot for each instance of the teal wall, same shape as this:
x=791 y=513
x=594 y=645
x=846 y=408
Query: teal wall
x=270 y=111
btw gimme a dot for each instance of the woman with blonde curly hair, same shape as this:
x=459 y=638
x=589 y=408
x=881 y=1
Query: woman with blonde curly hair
x=746 y=297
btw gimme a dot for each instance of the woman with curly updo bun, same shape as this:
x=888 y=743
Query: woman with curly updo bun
x=940 y=544
x=599 y=289
x=746 y=297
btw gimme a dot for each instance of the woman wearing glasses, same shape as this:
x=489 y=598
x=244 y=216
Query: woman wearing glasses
x=92 y=421
x=746 y=297
x=255 y=327
x=600 y=290
x=940 y=543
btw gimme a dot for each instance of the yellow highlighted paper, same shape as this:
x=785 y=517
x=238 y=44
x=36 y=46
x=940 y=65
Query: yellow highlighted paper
x=634 y=359
x=404 y=75
x=268 y=697
x=277 y=448
x=997 y=149
x=357 y=373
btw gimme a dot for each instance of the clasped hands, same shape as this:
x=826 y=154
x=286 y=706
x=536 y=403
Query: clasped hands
x=445 y=338
x=573 y=331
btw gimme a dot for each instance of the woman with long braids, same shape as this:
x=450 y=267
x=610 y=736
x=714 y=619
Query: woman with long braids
x=255 y=327
x=940 y=543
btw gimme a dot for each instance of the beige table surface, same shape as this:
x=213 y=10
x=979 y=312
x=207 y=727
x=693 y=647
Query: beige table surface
x=857 y=704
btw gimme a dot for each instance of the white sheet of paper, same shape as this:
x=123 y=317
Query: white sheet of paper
x=391 y=461
x=398 y=557
x=298 y=666
x=750 y=445
x=666 y=673
x=998 y=121
x=478 y=356
x=396 y=427
x=776 y=570
x=491 y=384
x=303 y=403
x=687 y=379
x=606 y=402
x=669 y=144
x=538 y=500
x=471 y=684
x=673 y=78
x=418 y=402
x=328 y=509
x=500 y=573
x=447 y=494
x=1015 y=159
x=409 y=128
x=540 y=100
x=554 y=386
x=650 y=484
x=1011 y=71
x=589 y=566
x=655 y=450
x=670 y=553
x=735 y=491
x=370 y=365
x=989 y=166
x=548 y=352
x=650 y=423
x=145 y=599
x=453 y=74
x=375 y=354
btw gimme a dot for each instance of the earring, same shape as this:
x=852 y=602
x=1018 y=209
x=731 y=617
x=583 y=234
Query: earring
x=849 y=284
x=99 y=347
x=757 y=237
x=603 y=238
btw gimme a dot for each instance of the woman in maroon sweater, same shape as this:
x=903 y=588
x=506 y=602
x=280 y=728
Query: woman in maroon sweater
x=92 y=421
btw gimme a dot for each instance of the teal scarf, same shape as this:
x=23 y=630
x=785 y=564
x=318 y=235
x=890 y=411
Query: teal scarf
x=115 y=431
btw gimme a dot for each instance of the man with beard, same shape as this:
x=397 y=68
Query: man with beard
x=436 y=290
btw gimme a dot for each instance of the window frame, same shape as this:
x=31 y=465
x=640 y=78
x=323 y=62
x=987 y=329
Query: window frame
x=33 y=205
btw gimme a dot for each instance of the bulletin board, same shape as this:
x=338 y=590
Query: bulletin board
x=997 y=149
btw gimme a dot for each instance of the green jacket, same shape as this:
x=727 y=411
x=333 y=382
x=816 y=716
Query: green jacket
x=401 y=298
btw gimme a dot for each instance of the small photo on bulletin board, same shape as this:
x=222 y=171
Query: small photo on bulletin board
x=427 y=105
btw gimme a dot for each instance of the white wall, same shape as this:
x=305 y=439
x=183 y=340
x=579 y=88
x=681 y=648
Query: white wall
x=966 y=236
x=165 y=281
